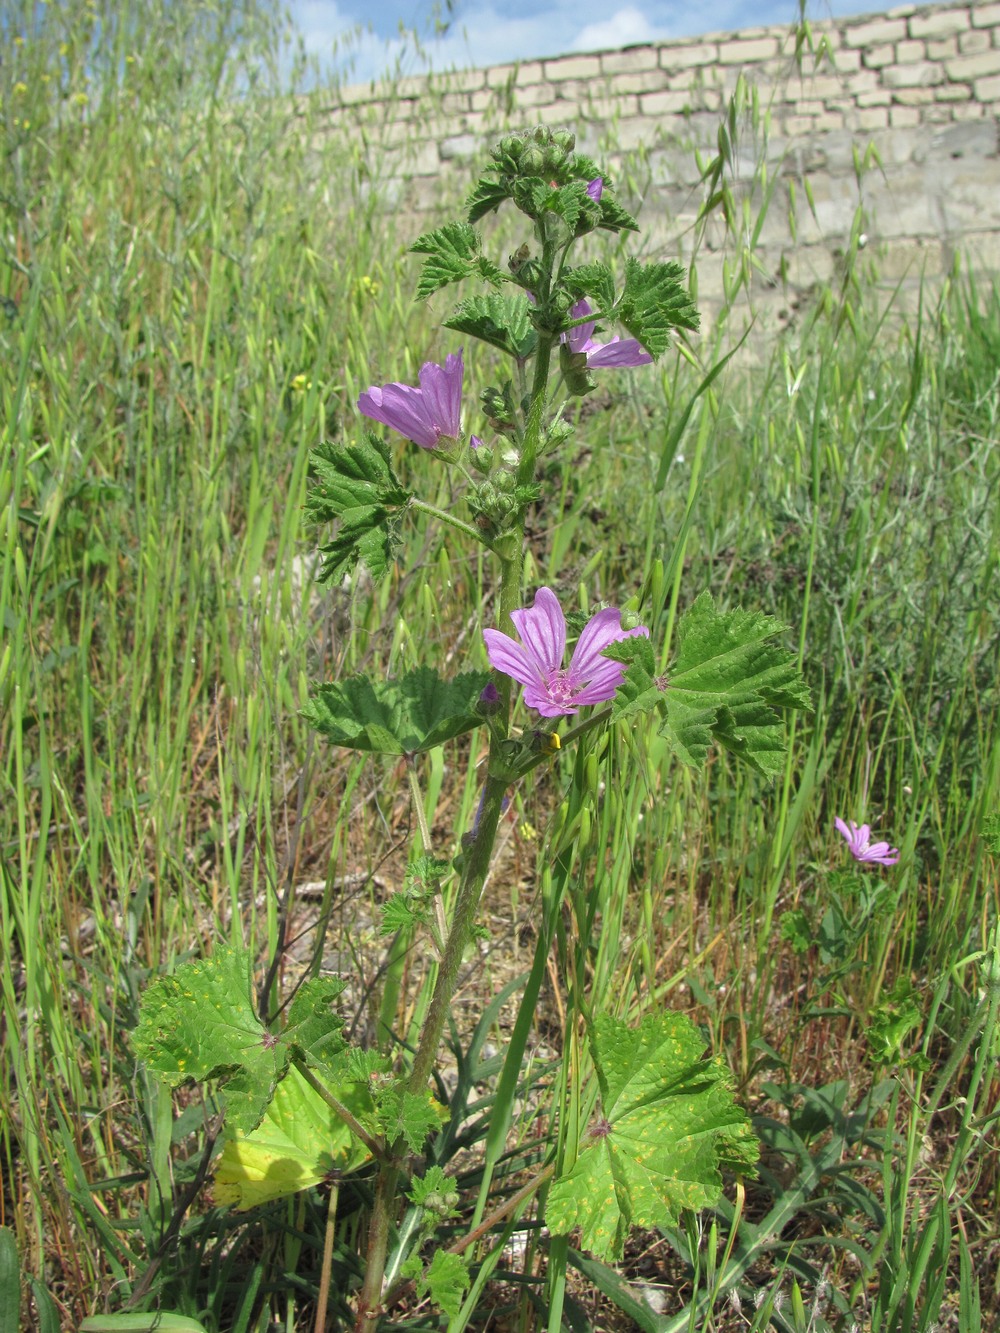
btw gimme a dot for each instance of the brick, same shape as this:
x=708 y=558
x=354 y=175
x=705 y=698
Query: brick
x=913 y=96
x=534 y=94
x=901 y=11
x=922 y=75
x=561 y=114
x=900 y=116
x=520 y=75
x=461 y=146
x=747 y=53
x=879 y=30
x=962 y=111
x=942 y=24
x=645 y=81
x=795 y=126
x=947 y=47
x=877 y=57
x=658 y=104
x=874 y=118
x=847 y=62
x=985 y=16
x=573 y=67
x=908 y=53
x=829 y=121
x=987 y=90
x=972 y=67
x=952 y=92
x=632 y=60
x=823 y=86
x=686 y=78
x=878 y=97
x=865 y=81
x=971 y=42
x=680 y=57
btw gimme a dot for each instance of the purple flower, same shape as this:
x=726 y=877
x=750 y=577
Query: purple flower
x=537 y=661
x=618 y=352
x=861 y=847
x=596 y=188
x=426 y=415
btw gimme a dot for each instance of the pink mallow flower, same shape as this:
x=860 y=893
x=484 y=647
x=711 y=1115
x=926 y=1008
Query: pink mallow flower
x=428 y=415
x=618 y=352
x=861 y=847
x=537 y=661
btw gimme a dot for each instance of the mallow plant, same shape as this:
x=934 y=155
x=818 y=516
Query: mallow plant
x=657 y=1126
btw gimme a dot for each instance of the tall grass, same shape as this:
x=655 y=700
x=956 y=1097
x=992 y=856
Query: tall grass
x=182 y=320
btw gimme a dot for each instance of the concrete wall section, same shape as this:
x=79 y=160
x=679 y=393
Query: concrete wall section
x=888 y=124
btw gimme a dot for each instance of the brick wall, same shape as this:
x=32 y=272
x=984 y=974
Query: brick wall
x=888 y=124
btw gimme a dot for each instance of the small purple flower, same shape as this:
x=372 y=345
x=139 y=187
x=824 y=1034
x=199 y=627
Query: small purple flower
x=861 y=847
x=537 y=661
x=428 y=415
x=618 y=352
x=596 y=188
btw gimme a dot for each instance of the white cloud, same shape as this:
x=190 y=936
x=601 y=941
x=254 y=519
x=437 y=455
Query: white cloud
x=626 y=27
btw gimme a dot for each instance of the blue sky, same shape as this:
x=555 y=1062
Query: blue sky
x=490 y=32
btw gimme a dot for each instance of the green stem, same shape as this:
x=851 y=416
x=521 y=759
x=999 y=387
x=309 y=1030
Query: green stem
x=369 y=1301
x=374 y=1146
x=418 y=802
x=443 y=516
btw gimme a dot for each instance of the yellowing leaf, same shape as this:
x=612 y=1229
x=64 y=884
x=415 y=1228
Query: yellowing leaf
x=297 y=1143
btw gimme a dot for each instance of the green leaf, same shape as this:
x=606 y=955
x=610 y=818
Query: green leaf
x=991 y=833
x=354 y=486
x=10 y=1282
x=669 y=1124
x=406 y=716
x=452 y=253
x=412 y=1115
x=486 y=197
x=614 y=217
x=501 y=321
x=655 y=300
x=298 y=1143
x=315 y=1027
x=594 y=280
x=156 y=1321
x=447 y=1280
x=725 y=685
x=200 y=1023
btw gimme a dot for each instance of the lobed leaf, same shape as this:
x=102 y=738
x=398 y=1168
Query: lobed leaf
x=300 y=1140
x=452 y=254
x=354 y=486
x=408 y=715
x=200 y=1023
x=724 y=686
x=669 y=1124
x=655 y=301
x=501 y=321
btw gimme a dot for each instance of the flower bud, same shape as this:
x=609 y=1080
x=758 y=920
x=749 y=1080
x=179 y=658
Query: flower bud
x=532 y=162
x=566 y=140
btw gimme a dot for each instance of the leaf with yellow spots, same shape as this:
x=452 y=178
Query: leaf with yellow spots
x=299 y=1141
x=200 y=1023
x=669 y=1123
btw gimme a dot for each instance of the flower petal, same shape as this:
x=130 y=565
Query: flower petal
x=619 y=353
x=602 y=629
x=508 y=656
x=543 y=630
x=580 y=339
